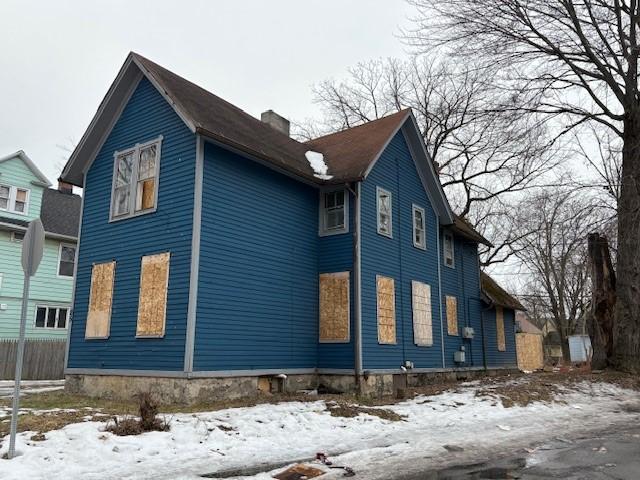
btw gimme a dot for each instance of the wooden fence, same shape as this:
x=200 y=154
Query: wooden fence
x=43 y=359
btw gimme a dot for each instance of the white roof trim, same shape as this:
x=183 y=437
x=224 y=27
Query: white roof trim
x=29 y=163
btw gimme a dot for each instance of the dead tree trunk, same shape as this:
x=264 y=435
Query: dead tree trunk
x=603 y=300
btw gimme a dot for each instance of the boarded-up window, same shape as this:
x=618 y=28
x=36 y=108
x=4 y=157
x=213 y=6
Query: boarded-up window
x=152 y=306
x=385 y=288
x=334 y=307
x=100 y=299
x=421 y=304
x=502 y=342
x=452 y=315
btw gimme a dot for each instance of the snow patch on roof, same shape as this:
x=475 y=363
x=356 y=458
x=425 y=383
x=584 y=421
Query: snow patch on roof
x=320 y=169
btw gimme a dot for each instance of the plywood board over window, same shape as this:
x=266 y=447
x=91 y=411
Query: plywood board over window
x=422 y=321
x=334 y=307
x=452 y=315
x=386 y=299
x=502 y=341
x=152 y=305
x=100 y=300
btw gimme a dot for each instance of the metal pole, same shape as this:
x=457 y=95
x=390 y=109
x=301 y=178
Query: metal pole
x=19 y=359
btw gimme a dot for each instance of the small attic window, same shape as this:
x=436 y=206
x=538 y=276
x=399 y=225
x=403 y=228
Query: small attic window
x=135 y=180
x=334 y=212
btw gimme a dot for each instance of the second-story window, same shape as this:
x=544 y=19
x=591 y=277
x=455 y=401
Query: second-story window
x=448 y=250
x=385 y=226
x=334 y=212
x=419 y=230
x=66 y=260
x=135 y=180
x=14 y=199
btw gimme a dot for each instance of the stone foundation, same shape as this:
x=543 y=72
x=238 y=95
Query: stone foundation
x=202 y=390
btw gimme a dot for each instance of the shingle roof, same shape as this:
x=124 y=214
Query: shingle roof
x=496 y=294
x=14 y=221
x=350 y=152
x=465 y=229
x=60 y=213
x=525 y=326
x=220 y=120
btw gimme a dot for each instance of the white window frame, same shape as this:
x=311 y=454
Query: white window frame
x=46 y=316
x=13 y=237
x=75 y=250
x=379 y=191
x=134 y=179
x=444 y=250
x=13 y=192
x=415 y=208
x=322 y=230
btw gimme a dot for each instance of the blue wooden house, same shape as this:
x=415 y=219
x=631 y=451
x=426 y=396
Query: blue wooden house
x=218 y=255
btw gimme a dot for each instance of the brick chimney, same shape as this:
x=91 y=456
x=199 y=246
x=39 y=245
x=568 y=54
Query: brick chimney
x=64 y=187
x=274 y=120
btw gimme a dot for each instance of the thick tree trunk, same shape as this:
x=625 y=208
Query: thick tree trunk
x=603 y=300
x=626 y=341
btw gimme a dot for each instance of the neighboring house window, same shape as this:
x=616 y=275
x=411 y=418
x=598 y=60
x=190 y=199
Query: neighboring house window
x=100 y=300
x=51 y=317
x=17 y=237
x=421 y=305
x=152 y=304
x=448 y=250
x=452 y=315
x=66 y=260
x=385 y=225
x=135 y=180
x=419 y=229
x=334 y=212
x=386 y=303
x=14 y=199
x=334 y=307
x=502 y=342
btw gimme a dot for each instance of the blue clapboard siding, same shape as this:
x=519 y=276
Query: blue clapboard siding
x=258 y=280
x=496 y=358
x=146 y=116
x=463 y=282
x=335 y=254
x=397 y=258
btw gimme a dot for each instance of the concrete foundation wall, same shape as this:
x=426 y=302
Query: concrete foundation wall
x=200 y=390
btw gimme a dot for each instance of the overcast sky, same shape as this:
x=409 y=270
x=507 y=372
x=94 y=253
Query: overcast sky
x=59 y=57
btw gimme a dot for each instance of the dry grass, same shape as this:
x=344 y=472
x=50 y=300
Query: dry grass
x=349 y=410
x=45 y=422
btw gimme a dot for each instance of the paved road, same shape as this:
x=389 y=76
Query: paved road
x=608 y=455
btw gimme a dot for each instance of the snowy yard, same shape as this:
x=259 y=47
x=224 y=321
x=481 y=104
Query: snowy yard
x=468 y=418
x=30 y=386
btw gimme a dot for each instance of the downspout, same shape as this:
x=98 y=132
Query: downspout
x=484 y=337
x=357 y=284
x=440 y=297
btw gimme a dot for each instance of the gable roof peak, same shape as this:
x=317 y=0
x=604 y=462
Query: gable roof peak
x=30 y=164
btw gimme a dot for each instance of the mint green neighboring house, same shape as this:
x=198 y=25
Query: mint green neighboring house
x=25 y=194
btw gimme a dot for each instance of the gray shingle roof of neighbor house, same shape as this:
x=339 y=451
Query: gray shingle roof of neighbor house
x=60 y=213
x=496 y=294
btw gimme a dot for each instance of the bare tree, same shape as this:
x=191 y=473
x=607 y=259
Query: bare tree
x=553 y=253
x=575 y=61
x=484 y=154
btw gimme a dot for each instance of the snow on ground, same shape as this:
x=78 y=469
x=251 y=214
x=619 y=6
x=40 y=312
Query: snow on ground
x=30 y=386
x=320 y=169
x=241 y=437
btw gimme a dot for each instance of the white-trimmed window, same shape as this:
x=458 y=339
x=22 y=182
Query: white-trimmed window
x=17 y=237
x=448 y=250
x=66 y=259
x=48 y=316
x=384 y=208
x=334 y=212
x=14 y=199
x=135 y=180
x=419 y=228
